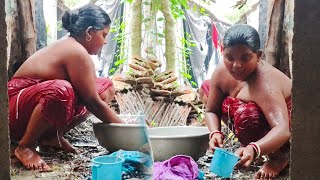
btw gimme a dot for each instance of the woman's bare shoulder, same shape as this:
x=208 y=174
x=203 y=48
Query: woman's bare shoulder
x=70 y=45
x=273 y=80
x=219 y=72
x=72 y=54
x=221 y=75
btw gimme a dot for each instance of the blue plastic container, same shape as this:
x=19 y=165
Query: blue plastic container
x=223 y=162
x=107 y=167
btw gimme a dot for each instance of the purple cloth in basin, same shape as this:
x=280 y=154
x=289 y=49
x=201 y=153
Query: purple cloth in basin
x=178 y=167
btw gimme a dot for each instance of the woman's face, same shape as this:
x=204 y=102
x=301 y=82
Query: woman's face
x=98 y=40
x=240 y=61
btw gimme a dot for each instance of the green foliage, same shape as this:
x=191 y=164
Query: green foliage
x=194 y=84
x=120 y=54
x=59 y=25
x=47 y=28
x=153 y=123
x=146 y=3
x=186 y=75
x=186 y=68
x=177 y=9
x=146 y=20
x=71 y=3
x=200 y=115
x=160 y=35
x=187 y=43
x=237 y=13
x=156 y=4
x=177 y=6
x=126 y=1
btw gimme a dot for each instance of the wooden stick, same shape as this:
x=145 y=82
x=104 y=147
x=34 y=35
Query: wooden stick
x=173 y=111
x=184 y=120
x=131 y=99
x=154 y=109
x=175 y=117
x=166 y=119
x=165 y=114
x=141 y=103
x=121 y=103
x=183 y=109
x=160 y=111
x=148 y=106
x=124 y=98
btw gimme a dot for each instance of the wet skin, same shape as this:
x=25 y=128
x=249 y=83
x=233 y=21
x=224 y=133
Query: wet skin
x=245 y=76
x=68 y=59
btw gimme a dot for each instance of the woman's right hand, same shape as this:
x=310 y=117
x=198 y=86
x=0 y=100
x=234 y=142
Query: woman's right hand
x=216 y=141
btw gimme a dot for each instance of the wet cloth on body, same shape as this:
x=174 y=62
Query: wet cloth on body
x=206 y=87
x=58 y=101
x=178 y=167
x=247 y=119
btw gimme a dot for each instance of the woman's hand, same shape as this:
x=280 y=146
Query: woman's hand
x=216 y=141
x=247 y=155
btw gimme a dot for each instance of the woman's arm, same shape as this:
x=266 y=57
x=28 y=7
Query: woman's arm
x=274 y=108
x=215 y=98
x=267 y=91
x=80 y=71
x=213 y=108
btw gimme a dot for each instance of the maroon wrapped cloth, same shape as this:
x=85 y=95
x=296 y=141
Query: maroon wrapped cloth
x=206 y=87
x=58 y=101
x=247 y=119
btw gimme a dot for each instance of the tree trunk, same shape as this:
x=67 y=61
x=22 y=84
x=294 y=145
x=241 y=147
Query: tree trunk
x=136 y=23
x=151 y=31
x=286 y=61
x=40 y=25
x=263 y=9
x=61 y=7
x=276 y=47
x=4 y=120
x=22 y=35
x=170 y=35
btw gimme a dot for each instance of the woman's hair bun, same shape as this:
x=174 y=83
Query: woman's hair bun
x=69 y=17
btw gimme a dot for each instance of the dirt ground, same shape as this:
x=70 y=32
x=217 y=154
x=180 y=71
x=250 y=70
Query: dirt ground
x=71 y=166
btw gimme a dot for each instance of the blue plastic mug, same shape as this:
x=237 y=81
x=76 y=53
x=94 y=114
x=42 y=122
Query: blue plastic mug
x=223 y=162
x=107 y=167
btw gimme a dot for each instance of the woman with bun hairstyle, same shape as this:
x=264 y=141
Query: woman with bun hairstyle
x=254 y=99
x=55 y=89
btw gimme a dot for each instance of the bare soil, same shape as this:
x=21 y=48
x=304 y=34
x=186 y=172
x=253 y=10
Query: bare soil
x=71 y=166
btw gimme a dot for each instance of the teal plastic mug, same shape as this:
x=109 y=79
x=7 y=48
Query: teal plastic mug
x=223 y=162
x=107 y=167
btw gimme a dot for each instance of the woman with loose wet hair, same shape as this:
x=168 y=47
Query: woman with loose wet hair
x=55 y=88
x=254 y=99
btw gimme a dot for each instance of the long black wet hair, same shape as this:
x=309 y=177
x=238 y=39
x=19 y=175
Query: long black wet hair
x=242 y=34
x=78 y=20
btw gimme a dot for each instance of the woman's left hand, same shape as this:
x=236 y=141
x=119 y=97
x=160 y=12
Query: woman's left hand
x=246 y=154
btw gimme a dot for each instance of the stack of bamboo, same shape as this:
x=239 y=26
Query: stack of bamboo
x=157 y=95
x=158 y=113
